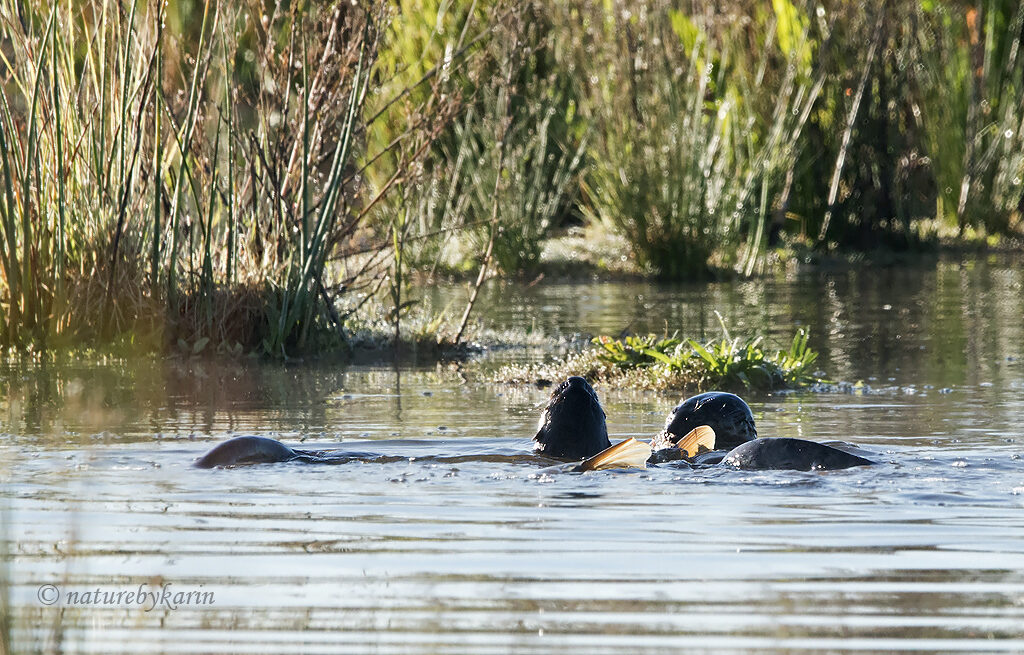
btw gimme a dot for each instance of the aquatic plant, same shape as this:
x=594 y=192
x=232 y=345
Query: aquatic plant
x=731 y=364
x=653 y=362
x=636 y=351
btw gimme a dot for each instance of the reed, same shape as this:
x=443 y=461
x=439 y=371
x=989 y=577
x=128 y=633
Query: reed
x=514 y=146
x=254 y=175
x=233 y=187
x=693 y=138
x=975 y=99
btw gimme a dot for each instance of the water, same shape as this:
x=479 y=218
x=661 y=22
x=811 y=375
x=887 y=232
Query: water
x=454 y=541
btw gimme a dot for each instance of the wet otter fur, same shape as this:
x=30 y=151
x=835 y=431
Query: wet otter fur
x=736 y=441
x=725 y=413
x=787 y=454
x=572 y=425
x=247 y=450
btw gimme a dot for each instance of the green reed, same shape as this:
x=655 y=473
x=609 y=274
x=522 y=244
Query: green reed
x=216 y=175
x=975 y=131
x=694 y=135
x=220 y=162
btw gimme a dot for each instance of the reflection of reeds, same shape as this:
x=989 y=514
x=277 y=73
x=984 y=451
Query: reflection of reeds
x=6 y=621
x=22 y=629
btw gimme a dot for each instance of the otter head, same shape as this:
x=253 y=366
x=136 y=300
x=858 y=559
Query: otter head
x=726 y=413
x=572 y=425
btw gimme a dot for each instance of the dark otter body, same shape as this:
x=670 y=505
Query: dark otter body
x=248 y=450
x=736 y=442
x=242 y=451
x=725 y=413
x=791 y=455
x=572 y=425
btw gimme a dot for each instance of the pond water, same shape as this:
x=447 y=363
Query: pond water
x=444 y=536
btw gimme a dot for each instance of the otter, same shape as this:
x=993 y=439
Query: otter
x=573 y=427
x=726 y=413
x=249 y=450
x=784 y=453
x=736 y=441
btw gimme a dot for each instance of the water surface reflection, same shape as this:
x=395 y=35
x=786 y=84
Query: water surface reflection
x=453 y=541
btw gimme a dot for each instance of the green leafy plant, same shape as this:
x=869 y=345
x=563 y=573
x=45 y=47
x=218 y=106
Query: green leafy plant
x=639 y=351
x=796 y=363
x=726 y=363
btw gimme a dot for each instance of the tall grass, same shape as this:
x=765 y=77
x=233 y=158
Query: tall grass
x=694 y=138
x=523 y=166
x=980 y=125
x=222 y=162
x=516 y=146
x=217 y=173
x=934 y=137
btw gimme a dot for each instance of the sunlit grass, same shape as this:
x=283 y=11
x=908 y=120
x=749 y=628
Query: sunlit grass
x=212 y=176
x=694 y=139
x=662 y=363
x=202 y=208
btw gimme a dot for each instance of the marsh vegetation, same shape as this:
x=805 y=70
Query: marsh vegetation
x=672 y=363
x=245 y=177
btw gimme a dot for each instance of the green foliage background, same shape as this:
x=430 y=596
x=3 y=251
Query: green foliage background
x=249 y=175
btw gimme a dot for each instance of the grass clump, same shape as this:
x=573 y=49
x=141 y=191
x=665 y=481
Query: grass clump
x=693 y=137
x=177 y=182
x=505 y=171
x=663 y=363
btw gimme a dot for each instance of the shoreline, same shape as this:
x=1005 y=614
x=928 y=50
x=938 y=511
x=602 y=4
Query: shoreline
x=369 y=335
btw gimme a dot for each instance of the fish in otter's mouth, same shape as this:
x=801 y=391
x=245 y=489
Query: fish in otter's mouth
x=727 y=414
x=572 y=425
